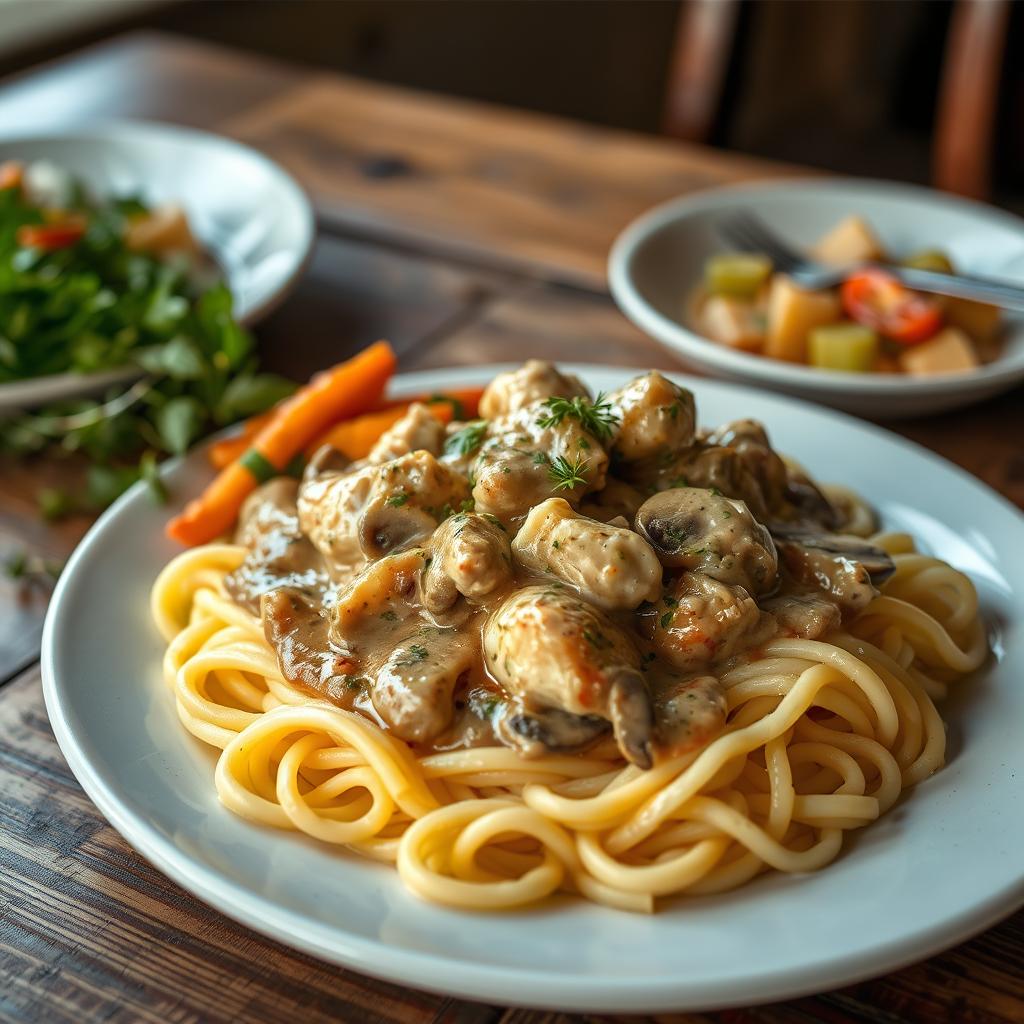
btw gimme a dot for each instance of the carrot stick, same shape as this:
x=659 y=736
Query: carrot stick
x=355 y=438
x=347 y=389
x=223 y=453
x=466 y=401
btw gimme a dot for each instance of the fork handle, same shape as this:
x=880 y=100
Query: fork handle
x=963 y=286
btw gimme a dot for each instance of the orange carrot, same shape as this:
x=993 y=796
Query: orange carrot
x=223 y=453
x=347 y=389
x=355 y=438
x=466 y=401
x=12 y=172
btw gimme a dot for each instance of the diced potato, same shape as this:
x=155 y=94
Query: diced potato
x=733 y=322
x=978 y=320
x=845 y=346
x=850 y=241
x=164 y=229
x=930 y=259
x=950 y=351
x=792 y=314
x=739 y=274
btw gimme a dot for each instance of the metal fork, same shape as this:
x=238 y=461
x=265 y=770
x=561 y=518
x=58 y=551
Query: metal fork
x=750 y=234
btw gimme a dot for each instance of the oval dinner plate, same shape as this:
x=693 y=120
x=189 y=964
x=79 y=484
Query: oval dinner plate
x=943 y=864
x=250 y=215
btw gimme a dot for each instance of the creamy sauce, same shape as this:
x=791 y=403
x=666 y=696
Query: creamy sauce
x=578 y=631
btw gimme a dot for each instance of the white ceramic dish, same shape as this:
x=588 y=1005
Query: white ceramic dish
x=249 y=214
x=940 y=866
x=657 y=262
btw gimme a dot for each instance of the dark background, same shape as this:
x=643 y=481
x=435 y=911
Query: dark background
x=847 y=85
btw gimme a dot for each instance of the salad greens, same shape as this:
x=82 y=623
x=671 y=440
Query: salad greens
x=75 y=298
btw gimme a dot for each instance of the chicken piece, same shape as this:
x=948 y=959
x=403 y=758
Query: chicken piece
x=654 y=416
x=709 y=467
x=366 y=611
x=297 y=630
x=471 y=556
x=418 y=430
x=609 y=566
x=535 y=380
x=412 y=691
x=552 y=650
x=700 y=620
x=616 y=499
x=689 y=711
x=370 y=510
x=805 y=615
x=279 y=555
x=524 y=462
x=847 y=568
x=703 y=531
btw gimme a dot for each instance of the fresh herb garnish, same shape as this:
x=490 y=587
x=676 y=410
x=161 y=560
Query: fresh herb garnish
x=597 y=417
x=416 y=654
x=467 y=440
x=566 y=475
x=666 y=619
x=397 y=500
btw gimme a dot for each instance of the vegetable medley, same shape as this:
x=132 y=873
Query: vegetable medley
x=871 y=324
x=90 y=284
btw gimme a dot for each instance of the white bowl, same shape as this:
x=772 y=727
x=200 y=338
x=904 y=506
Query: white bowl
x=657 y=262
x=250 y=215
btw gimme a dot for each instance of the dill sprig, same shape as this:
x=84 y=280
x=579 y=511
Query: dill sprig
x=596 y=417
x=565 y=474
x=467 y=440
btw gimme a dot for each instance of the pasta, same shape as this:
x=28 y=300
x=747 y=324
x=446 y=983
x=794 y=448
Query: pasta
x=821 y=737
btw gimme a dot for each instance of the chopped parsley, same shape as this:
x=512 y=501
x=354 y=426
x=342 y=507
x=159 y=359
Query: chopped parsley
x=666 y=619
x=397 y=500
x=389 y=616
x=416 y=654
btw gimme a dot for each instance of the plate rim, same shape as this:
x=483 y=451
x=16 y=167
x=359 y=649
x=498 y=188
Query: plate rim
x=773 y=372
x=488 y=982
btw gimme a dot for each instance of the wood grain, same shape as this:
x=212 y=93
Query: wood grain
x=89 y=931
x=505 y=189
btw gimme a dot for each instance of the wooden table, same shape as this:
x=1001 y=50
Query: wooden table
x=465 y=234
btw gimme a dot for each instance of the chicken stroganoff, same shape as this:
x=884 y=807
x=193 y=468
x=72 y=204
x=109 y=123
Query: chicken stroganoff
x=655 y=658
x=569 y=568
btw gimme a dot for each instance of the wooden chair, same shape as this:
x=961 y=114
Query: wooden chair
x=965 y=123
x=963 y=141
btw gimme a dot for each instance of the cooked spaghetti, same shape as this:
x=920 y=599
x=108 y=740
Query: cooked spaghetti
x=652 y=686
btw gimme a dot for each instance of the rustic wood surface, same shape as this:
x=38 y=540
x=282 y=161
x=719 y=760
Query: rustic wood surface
x=466 y=235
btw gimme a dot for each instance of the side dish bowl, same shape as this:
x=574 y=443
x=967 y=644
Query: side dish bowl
x=249 y=215
x=657 y=263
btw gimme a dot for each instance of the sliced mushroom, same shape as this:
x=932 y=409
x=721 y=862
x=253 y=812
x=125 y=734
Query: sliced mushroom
x=550 y=649
x=610 y=566
x=700 y=530
x=848 y=568
x=470 y=555
x=548 y=730
x=749 y=440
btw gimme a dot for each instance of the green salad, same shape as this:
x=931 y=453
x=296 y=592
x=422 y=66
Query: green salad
x=89 y=284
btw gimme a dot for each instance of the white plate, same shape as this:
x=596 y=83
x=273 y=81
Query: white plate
x=248 y=213
x=658 y=261
x=944 y=863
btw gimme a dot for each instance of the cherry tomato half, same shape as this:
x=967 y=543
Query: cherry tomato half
x=877 y=300
x=50 y=236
